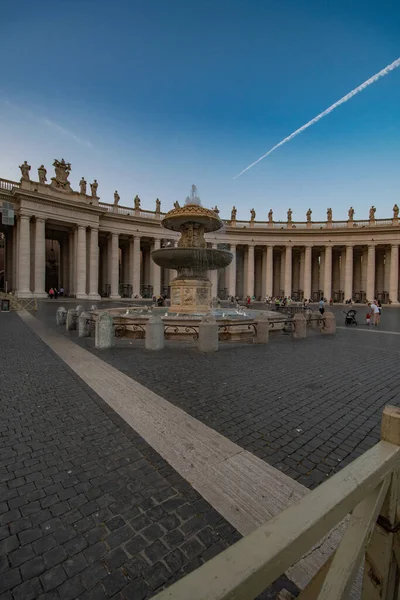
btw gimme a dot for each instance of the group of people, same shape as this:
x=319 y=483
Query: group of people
x=373 y=315
x=160 y=301
x=54 y=292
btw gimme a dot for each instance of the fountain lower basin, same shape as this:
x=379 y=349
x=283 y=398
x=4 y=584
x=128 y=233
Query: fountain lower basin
x=235 y=325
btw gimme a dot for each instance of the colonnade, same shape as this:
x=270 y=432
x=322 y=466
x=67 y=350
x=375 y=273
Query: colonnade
x=94 y=263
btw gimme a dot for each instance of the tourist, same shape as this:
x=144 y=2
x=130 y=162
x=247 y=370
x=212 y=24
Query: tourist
x=51 y=293
x=321 y=306
x=368 y=318
x=61 y=292
x=248 y=301
x=375 y=313
x=379 y=305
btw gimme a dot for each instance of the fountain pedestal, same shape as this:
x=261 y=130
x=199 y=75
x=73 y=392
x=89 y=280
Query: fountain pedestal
x=190 y=295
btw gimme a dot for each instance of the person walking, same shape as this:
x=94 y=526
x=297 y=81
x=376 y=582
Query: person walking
x=321 y=306
x=374 y=313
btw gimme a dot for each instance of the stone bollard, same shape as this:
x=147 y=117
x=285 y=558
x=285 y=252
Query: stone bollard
x=329 y=326
x=70 y=321
x=300 y=327
x=315 y=316
x=262 y=325
x=83 y=325
x=104 y=332
x=61 y=315
x=208 y=334
x=154 y=333
x=79 y=309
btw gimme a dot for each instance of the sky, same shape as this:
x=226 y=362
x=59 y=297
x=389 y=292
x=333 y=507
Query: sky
x=150 y=96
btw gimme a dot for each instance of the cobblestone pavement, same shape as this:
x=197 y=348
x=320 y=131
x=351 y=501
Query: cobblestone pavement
x=88 y=509
x=307 y=407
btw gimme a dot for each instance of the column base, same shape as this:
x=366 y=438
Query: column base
x=24 y=294
x=40 y=294
x=115 y=297
x=94 y=297
x=81 y=296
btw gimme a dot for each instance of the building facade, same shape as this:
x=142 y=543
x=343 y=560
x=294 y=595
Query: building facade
x=53 y=236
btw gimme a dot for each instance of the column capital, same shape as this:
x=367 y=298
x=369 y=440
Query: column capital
x=25 y=217
x=80 y=227
x=394 y=246
x=40 y=219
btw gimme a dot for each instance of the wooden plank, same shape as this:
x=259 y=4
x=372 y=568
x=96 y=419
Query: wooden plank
x=244 y=570
x=346 y=562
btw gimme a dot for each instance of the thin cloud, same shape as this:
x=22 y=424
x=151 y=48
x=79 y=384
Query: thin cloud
x=64 y=131
x=357 y=90
x=44 y=121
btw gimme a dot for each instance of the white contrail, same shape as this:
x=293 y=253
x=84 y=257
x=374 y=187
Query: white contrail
x=358 y=89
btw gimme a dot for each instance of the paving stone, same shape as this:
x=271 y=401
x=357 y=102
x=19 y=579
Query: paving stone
x=175 y=560
x=33 y=567
x=29 y=590
x=136 y=590
x=21 y=555
x=115 y=582
x=93 y=574
x=55 y=556
x=116 y=558
x=44 y=544
x=115 y=523
x=72 y=588
x=9 y=579
x=53 y=578
x=75 y=564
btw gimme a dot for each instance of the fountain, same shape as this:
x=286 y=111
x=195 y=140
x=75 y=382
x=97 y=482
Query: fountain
x=191 y=297
x=191 y=289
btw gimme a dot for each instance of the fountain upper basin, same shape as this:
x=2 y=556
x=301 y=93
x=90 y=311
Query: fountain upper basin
x=199 y=259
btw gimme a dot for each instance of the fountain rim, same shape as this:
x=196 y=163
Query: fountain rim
x=168 y=257
x=192 y=213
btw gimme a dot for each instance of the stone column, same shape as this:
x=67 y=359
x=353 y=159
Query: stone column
x=314 y=271
x=94 y=264
x=24 y=258
x=348 y=273
x=321 y=269
x=288 y=272
x=136 y=267
x=9 y=278
x=40 y=258
x=250 y=271
x=81 y=263
x=269 y=275
x=232 y=273
x=364 y=269
x=357 y=272
x=213 y=276
x=156 y=271
x=371 y=273
x=394 y=274
x=282 y=272
x=71 y=253
x=328 y=273
x=379 y=269
x=388 y=260
x=15 y=275
x=114 y=266
x=302 y=262
x=307 y=272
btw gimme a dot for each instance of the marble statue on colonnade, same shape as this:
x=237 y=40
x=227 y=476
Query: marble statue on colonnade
x=289 y=215
x=62 y=170
x=372 y=212
x=351 y=213
x=270 y=216
x=83 y=186
x=252 y=214
x=136 y=202
x=116 y=198
x=158 y=206
x=329 y=215
x=42 y=174
x=25 y=168
x=308 y=215
x=93 y=188
x=395 y=211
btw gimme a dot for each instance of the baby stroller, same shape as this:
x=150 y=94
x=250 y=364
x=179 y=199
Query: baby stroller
x=350 y=318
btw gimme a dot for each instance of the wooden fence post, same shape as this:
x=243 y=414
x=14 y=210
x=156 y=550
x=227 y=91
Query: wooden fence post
x=382 y=555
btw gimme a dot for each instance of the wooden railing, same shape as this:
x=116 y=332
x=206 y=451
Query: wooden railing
x=368 y=488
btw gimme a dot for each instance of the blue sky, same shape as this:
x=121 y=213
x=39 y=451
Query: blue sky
x=150 y=96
